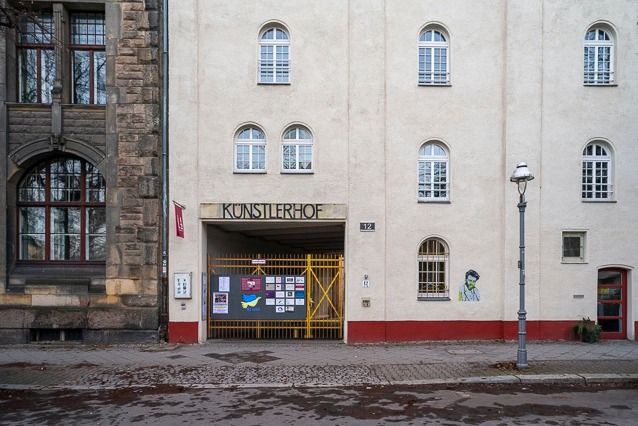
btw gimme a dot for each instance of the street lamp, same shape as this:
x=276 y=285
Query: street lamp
x=521 y=176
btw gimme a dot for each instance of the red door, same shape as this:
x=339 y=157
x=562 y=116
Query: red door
x=612 y=303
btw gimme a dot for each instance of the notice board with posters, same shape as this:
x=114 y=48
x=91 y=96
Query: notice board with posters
x=258 y=297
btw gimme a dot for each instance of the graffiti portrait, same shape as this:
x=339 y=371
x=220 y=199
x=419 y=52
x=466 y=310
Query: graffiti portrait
x=468 y=292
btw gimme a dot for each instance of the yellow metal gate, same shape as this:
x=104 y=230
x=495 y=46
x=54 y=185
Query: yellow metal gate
x=324 y=297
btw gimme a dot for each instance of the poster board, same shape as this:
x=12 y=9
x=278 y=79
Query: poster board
x=258 y=297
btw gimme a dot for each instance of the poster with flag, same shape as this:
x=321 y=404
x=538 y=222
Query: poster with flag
x=179 y=219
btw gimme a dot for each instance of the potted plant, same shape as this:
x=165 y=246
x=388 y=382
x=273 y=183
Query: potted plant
x=587 y=330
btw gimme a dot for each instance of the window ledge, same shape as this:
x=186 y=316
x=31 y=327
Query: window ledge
x=600 y=201
x=433 y=299
x=249 y=172
x=600 y=84
x=573 y=262
x=259 y=83
x=292 y=172
x=434 y=201
x=435 y=85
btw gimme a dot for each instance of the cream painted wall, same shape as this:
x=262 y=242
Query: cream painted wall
x=516 y=95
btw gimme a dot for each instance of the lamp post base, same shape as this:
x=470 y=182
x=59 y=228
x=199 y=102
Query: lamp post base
x=521 y=359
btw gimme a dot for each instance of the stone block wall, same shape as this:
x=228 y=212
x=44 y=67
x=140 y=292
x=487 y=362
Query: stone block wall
x=117 y=302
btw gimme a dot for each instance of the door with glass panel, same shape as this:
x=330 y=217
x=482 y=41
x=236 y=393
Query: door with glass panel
x=612 y=303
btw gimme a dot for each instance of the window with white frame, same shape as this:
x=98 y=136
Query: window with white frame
x=433 y=261
x=573 y=246
x=433 y=57
x=274 y=56
x=297 y=150
x=598 y=57
x=250 y=150
x=433 y=173
x=597 y=172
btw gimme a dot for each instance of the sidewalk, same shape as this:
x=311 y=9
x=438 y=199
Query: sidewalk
x=311 y=363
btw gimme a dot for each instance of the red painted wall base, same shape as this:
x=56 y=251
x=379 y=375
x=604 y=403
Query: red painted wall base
x=405 y=331
x=182 y=332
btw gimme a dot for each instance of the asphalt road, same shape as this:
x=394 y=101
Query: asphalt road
x=372 y=405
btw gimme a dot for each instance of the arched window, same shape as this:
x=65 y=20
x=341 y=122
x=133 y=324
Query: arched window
x=599 y=56
x=597 y=179
x=61 y=212
x=250 y=150
x=297 y=150
x=274 y=56
x=433 y=173
x=433 y=57
x=433 y=260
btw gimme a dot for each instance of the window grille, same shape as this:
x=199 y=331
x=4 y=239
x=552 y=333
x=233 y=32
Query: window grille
x=433 y=260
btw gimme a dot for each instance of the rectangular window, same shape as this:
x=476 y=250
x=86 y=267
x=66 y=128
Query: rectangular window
x=36 y=58
x=88 y=58
x=574 y=247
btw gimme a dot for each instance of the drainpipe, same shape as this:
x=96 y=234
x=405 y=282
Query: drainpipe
x=163 y=290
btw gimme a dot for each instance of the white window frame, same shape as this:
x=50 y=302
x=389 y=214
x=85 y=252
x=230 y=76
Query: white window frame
x=297 y=142
x=251 y=142
x=582 y=235
x=432 y=159
x=436 y=257
x=594 y=162
x=600 y=77
x=274 y=43
x=426 y=47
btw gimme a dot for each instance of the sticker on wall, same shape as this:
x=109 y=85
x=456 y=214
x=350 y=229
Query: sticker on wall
x=300 y=287
x=290 y=280
x=300 y=302
x=278 y=280
x=250 y=301
x=290 y=309
x=468 y=292
x=270 y=302
x=278 y=287
x=280 y=309
x=220 y=303
x=251 y=284
x=270 y=287
x=290 y=287
x=270 y=280
x=300 y=280
x=280 y=302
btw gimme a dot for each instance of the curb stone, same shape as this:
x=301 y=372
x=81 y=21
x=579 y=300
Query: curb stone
x=520 y=379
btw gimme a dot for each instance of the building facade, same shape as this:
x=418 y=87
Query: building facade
x=385 y=132
x=80 y=170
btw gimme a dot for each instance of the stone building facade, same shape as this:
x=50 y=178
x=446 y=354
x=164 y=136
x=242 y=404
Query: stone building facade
x=80 y=170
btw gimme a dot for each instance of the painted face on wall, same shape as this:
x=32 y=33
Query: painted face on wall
x=470 y=282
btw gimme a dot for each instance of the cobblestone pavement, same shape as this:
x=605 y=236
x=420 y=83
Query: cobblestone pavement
x=223 y=363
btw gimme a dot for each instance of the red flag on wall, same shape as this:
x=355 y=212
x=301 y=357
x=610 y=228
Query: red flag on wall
x=179 y=219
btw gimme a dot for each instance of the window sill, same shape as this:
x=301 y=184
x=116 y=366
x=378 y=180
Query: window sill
x=420 y=200
x=249 y=172
x=435 y=84
x=600 y=84
x=433 y=299
x=294 y=172
x=259 y=83
x=600 y=201
x=573 y=262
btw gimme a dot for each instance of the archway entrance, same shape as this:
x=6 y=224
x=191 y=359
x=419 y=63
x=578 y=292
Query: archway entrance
x=275 y=281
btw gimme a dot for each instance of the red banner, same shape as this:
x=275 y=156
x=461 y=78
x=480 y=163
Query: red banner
x=179 y=220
